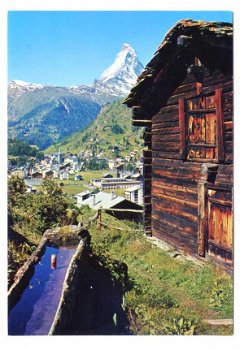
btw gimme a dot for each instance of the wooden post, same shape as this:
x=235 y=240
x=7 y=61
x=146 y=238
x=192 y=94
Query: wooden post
x=202 y=220
x=53 y=261
x=99 y=219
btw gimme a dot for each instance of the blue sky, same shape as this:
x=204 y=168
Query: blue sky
x=72 y=48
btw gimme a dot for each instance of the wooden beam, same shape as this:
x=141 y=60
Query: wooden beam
x=123 y=210
x=219 y=117
x=182 y=127
x=142 y=122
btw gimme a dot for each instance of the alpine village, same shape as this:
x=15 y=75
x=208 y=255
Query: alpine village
x=120 y=216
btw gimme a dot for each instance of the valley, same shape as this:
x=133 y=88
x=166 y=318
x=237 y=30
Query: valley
x=44 y=114
x=110 y=135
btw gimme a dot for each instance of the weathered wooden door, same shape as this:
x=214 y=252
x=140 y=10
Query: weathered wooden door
x=220 y=224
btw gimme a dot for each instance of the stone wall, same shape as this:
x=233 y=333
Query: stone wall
x=25 y=273
x=54 y=237
x=63 y=316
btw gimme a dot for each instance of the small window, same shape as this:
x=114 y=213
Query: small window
x=201 y=129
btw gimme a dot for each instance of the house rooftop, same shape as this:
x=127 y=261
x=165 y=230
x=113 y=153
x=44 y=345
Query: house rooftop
x=103 y=200
x=132 y=189
x=211 y=42
x=81 y=194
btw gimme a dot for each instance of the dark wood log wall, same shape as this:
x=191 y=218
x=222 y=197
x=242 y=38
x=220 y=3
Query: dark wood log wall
x=147 y=155
x=174 y=182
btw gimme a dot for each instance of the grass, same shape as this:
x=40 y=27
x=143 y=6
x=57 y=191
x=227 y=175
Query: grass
x=88 y=175
x=100 y=137
x=72 y=187
x=166 y=295
x=18 y=253
x=162 y=295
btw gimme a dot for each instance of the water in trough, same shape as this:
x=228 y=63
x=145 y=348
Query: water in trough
x=35 y=311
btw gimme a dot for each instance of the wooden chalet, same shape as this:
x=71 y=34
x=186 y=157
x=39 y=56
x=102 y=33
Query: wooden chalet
x=184 y=99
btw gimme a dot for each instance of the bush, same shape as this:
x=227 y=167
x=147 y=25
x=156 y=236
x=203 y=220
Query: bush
x=116 y=129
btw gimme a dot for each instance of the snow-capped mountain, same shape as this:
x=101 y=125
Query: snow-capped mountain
x=116 y=80
x=42 y=114
x=18 y=87
x=122 y=74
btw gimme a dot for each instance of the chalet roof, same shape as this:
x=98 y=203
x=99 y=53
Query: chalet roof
x=103 y=200
x=84 y=193
x=134 y=188
x=211 y=42
x=107 y=175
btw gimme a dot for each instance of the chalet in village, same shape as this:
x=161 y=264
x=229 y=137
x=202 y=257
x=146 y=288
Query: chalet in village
x=184 y=99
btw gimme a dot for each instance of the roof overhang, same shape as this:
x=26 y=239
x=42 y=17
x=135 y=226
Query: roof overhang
x=210 y=41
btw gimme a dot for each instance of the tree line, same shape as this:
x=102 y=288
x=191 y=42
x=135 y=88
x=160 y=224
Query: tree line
x=32 y=213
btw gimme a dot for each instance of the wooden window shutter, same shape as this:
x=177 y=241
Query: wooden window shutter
x=219 y=121
x=182 y=127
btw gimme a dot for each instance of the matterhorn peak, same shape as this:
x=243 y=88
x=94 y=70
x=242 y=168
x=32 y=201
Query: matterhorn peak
x=123 y=73
x=128 y=47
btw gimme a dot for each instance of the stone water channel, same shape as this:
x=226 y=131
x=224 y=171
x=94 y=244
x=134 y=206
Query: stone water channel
x=78 y=297
x=35 y=311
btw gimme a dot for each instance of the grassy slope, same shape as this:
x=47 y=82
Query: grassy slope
x=100 y=138
x=72 y=187
x=164 y=295
x=165 y=290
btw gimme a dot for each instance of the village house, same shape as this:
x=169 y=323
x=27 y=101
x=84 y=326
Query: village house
x=36 y=175
x=80 y=197
x=96 y=182
x=78 y=178
x=55 y=173
x=119 y=168
x=116 y=183
x=76 y=167
x=64 y=175
x=65 y=166
x=135 y=194
x=125 y=176
x=30 y=189
x=110 y=200
x=137 y=177
x=184 y=98
x=107 y=176
x=47 y=174
x=111 y=164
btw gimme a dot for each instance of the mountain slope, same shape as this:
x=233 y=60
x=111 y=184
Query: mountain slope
x=42 y=115
x=46 y=115
x=112 y=127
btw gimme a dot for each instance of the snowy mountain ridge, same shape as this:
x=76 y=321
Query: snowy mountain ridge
x=116 y=80
x=124 y=71
x=18 y=87
x=43 y=114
